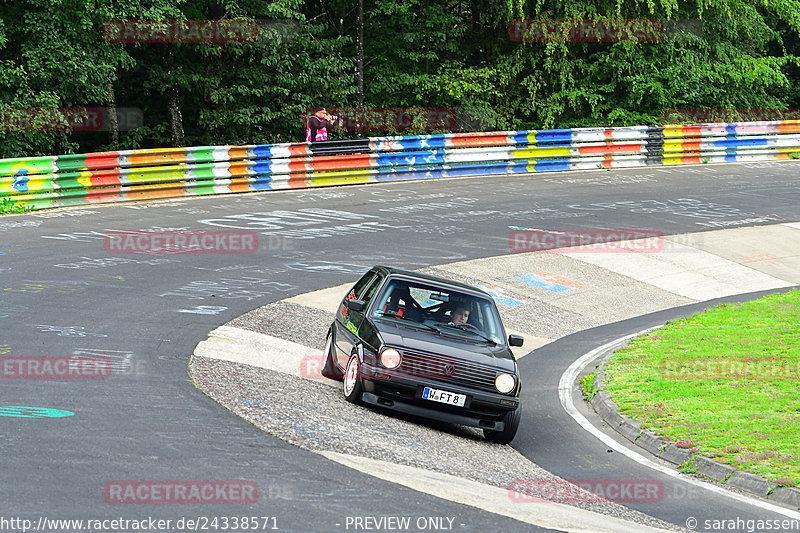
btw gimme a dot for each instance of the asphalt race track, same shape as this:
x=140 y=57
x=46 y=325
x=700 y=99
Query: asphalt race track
x=63 y=293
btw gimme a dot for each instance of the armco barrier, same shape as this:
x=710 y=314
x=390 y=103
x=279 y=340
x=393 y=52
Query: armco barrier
x=81 y=179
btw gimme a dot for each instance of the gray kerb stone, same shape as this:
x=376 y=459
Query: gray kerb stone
x=675 y=455
x=713 y=469
x=786 y=495
x=630 y=429
x=750 y=482
x=651 y=442
x=607 y=409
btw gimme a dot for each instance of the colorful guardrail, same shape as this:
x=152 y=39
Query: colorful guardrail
x=124 y=175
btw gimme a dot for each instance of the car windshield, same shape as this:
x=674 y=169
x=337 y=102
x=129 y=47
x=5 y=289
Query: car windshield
x=446 y=310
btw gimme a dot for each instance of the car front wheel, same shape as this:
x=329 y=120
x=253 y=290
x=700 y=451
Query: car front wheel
x=509 y=431
x=352 y=380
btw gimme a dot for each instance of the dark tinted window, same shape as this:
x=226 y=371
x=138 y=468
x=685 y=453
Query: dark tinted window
x=370 y=292
x=360 y=285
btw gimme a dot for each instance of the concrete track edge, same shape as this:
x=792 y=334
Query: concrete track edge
x=235 y=344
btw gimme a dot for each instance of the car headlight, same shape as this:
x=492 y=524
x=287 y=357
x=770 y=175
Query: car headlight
x=505 y=383
x=390 y=358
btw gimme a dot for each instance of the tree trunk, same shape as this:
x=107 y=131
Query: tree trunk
x=427 y=39
x=175 y=117
x=174 y=105
x=113 y=123
x=341 y=20
x=360 y=54
x=342 y=65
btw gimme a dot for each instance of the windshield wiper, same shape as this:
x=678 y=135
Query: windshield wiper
x=409 y=322
x=484 y=337
x=461 y=328
x=422 y=325
x=428 y=326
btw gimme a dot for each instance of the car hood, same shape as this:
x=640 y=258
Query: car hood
x=420 y=340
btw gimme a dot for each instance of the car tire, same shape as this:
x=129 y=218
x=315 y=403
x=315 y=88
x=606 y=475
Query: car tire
x=330 y=369
x=352 y=380
x=509 y=431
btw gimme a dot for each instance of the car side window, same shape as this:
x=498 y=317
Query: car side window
x=360 y=285
x=357 y=289
x=370 y=292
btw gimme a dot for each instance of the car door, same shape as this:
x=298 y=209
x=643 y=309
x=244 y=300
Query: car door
x=347 y=321
x=366 y=333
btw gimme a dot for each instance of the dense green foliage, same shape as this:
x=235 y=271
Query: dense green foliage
x=454 y=54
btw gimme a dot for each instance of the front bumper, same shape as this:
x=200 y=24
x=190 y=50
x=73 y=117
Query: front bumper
x=482 y=409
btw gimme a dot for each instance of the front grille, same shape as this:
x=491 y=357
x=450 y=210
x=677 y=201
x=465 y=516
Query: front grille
x=442 y=368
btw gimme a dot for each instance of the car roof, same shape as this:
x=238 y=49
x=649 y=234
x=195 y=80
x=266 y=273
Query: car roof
x=399 y=272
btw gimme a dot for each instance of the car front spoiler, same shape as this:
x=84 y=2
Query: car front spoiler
x=416 y=410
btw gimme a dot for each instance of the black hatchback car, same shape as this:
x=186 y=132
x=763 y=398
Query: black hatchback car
x=426 y=346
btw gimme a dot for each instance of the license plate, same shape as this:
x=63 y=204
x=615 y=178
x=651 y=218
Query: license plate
x=442 y=396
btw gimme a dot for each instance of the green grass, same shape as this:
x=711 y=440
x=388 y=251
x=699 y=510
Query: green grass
x=7 y=205
x=724 y=384
x=587 y=386
x=688 y=466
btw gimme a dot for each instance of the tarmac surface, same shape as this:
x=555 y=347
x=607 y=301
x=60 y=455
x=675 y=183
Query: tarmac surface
x=64 y=293
x=266 y=357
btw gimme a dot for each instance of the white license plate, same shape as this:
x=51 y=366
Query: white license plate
x=450 y=398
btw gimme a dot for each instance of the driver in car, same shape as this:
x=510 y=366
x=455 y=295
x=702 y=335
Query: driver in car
x=459 y=315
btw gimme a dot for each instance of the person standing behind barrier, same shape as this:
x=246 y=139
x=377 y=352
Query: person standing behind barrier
x=317 y=125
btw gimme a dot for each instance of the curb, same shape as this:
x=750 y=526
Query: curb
x=664 y=449
x=229 y=343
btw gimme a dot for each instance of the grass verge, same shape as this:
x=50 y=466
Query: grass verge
x=724 y=383
x=587 y=386
x=7 y=205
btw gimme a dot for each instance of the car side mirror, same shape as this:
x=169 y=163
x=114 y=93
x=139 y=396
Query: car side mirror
x=514 y=340
x=355 y=305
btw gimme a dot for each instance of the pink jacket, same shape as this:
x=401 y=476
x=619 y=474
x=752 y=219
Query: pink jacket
x=317 y=128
